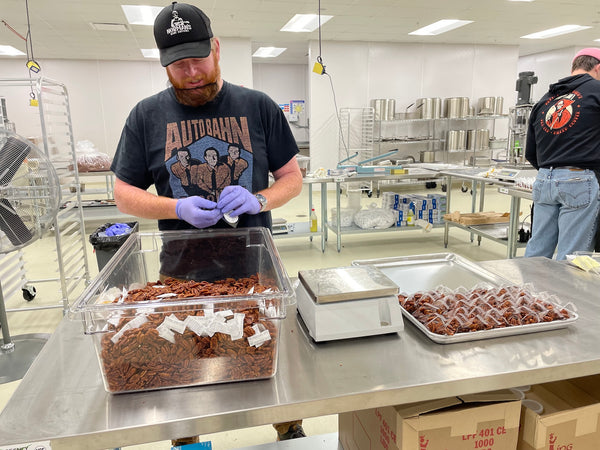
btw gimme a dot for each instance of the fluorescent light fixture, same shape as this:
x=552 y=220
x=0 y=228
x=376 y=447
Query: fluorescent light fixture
x=150 y=53
x=108 y=26
x=268 y=52
x=521 y=0
x=304 y=23
x=141 y=14
x=7 y=50
x=552 y=32
x=441 y=26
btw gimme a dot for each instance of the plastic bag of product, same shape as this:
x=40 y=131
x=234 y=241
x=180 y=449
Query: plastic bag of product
x=346 y=216
x=89 y=159
x=374 y=218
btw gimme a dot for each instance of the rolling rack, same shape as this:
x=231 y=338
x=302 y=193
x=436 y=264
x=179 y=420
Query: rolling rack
x=69 y=230
x=356 y=140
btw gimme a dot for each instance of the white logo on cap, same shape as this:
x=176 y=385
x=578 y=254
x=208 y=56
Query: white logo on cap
x=178 y=25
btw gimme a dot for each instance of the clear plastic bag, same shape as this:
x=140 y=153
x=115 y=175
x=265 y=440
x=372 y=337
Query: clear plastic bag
x=89 y=159
x=374 y=218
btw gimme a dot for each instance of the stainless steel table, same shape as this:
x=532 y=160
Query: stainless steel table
x=413 y=174
x=62 y=399
x=516 y=194
x=472 y=174
x=322 y=231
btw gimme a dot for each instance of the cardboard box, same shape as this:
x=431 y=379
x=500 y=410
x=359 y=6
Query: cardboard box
x=477 y=218
x=570 y=419
x=482 y=421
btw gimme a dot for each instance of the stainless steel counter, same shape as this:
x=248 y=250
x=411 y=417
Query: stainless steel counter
x=62 y=399
x=478 y=183
x=413 y=174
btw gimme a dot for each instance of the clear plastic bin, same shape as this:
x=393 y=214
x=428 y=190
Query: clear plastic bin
x=195 y=335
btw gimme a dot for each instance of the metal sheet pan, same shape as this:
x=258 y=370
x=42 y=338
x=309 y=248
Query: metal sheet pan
x=424 y=272
x=427 y=272
x=490 y=334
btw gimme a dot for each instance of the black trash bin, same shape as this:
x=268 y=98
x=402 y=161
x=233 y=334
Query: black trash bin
x=106 y=246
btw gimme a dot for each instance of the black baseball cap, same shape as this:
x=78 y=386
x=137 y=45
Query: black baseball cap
x=182 y=31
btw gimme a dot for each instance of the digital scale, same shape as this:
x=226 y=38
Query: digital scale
x=348 y=302
x=512 y=173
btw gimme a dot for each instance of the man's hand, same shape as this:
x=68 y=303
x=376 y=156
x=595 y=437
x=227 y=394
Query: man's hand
x=236 y=200
x=198 y=211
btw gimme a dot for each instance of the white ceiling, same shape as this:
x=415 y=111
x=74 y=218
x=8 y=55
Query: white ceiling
x=61 y=28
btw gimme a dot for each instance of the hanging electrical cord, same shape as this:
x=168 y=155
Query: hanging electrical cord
x=319 y=68
x=337 y=113
x=31 y=64
x=319 y=59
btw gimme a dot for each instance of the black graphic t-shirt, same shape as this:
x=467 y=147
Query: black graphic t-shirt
x=563 y=125
x=238 y=138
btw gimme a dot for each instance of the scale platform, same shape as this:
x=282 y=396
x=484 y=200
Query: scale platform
x=512 y=173
x=348 y=302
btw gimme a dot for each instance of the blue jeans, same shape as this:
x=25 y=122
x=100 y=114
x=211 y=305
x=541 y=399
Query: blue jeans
x=566 y=204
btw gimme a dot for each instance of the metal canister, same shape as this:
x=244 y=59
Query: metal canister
x=482 y=139
x=462 y=140
x=471 y=139
x=452 y=107
x=427 y=156
x=425 y=107
x=391 y=109
x=380 y=106
x=452 y=140
x=436 y=107
x=456 y=140
x=486 y=106
x=499 y=106
x=465 y=109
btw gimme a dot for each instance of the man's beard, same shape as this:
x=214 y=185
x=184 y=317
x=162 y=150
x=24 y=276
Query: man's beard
x=200 y=95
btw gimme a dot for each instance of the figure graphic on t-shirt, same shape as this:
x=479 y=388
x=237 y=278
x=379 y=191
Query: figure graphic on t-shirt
x=182 y=170
x=559 y=114
x=236 y=164
x=211 y=177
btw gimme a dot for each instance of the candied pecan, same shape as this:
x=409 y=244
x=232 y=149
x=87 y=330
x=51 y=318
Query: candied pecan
x=141 y=359
x=444 y=312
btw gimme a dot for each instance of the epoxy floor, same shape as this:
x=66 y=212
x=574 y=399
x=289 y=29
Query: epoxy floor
x=296 y=253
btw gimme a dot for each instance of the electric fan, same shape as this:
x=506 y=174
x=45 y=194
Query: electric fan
x=29 y=202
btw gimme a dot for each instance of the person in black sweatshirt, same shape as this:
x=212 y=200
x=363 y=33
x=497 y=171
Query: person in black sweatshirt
x=563 y=143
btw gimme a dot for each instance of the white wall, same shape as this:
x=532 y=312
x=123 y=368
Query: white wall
x=549 y=67
x=361 y=71
x=283 y=83
x=101 y=93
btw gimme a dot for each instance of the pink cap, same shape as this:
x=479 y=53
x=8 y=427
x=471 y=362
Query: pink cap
x=592 y=51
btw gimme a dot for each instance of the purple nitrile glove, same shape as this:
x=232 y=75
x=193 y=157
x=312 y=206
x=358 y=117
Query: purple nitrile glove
x=198 y=211
x=236 y=200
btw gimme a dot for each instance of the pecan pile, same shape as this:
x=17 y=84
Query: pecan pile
x=447 y=312
x=142 y=356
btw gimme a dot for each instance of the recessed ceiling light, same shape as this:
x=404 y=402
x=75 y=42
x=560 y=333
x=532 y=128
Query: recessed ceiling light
x=545 y=34
x=441 y=26
x=268 y=52
x=7 y=50
x=108 y=26
x=150 y=53
x=304 y=23
x=140 y=14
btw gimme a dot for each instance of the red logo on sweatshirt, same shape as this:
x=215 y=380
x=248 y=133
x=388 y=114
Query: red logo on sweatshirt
x=562 y=113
